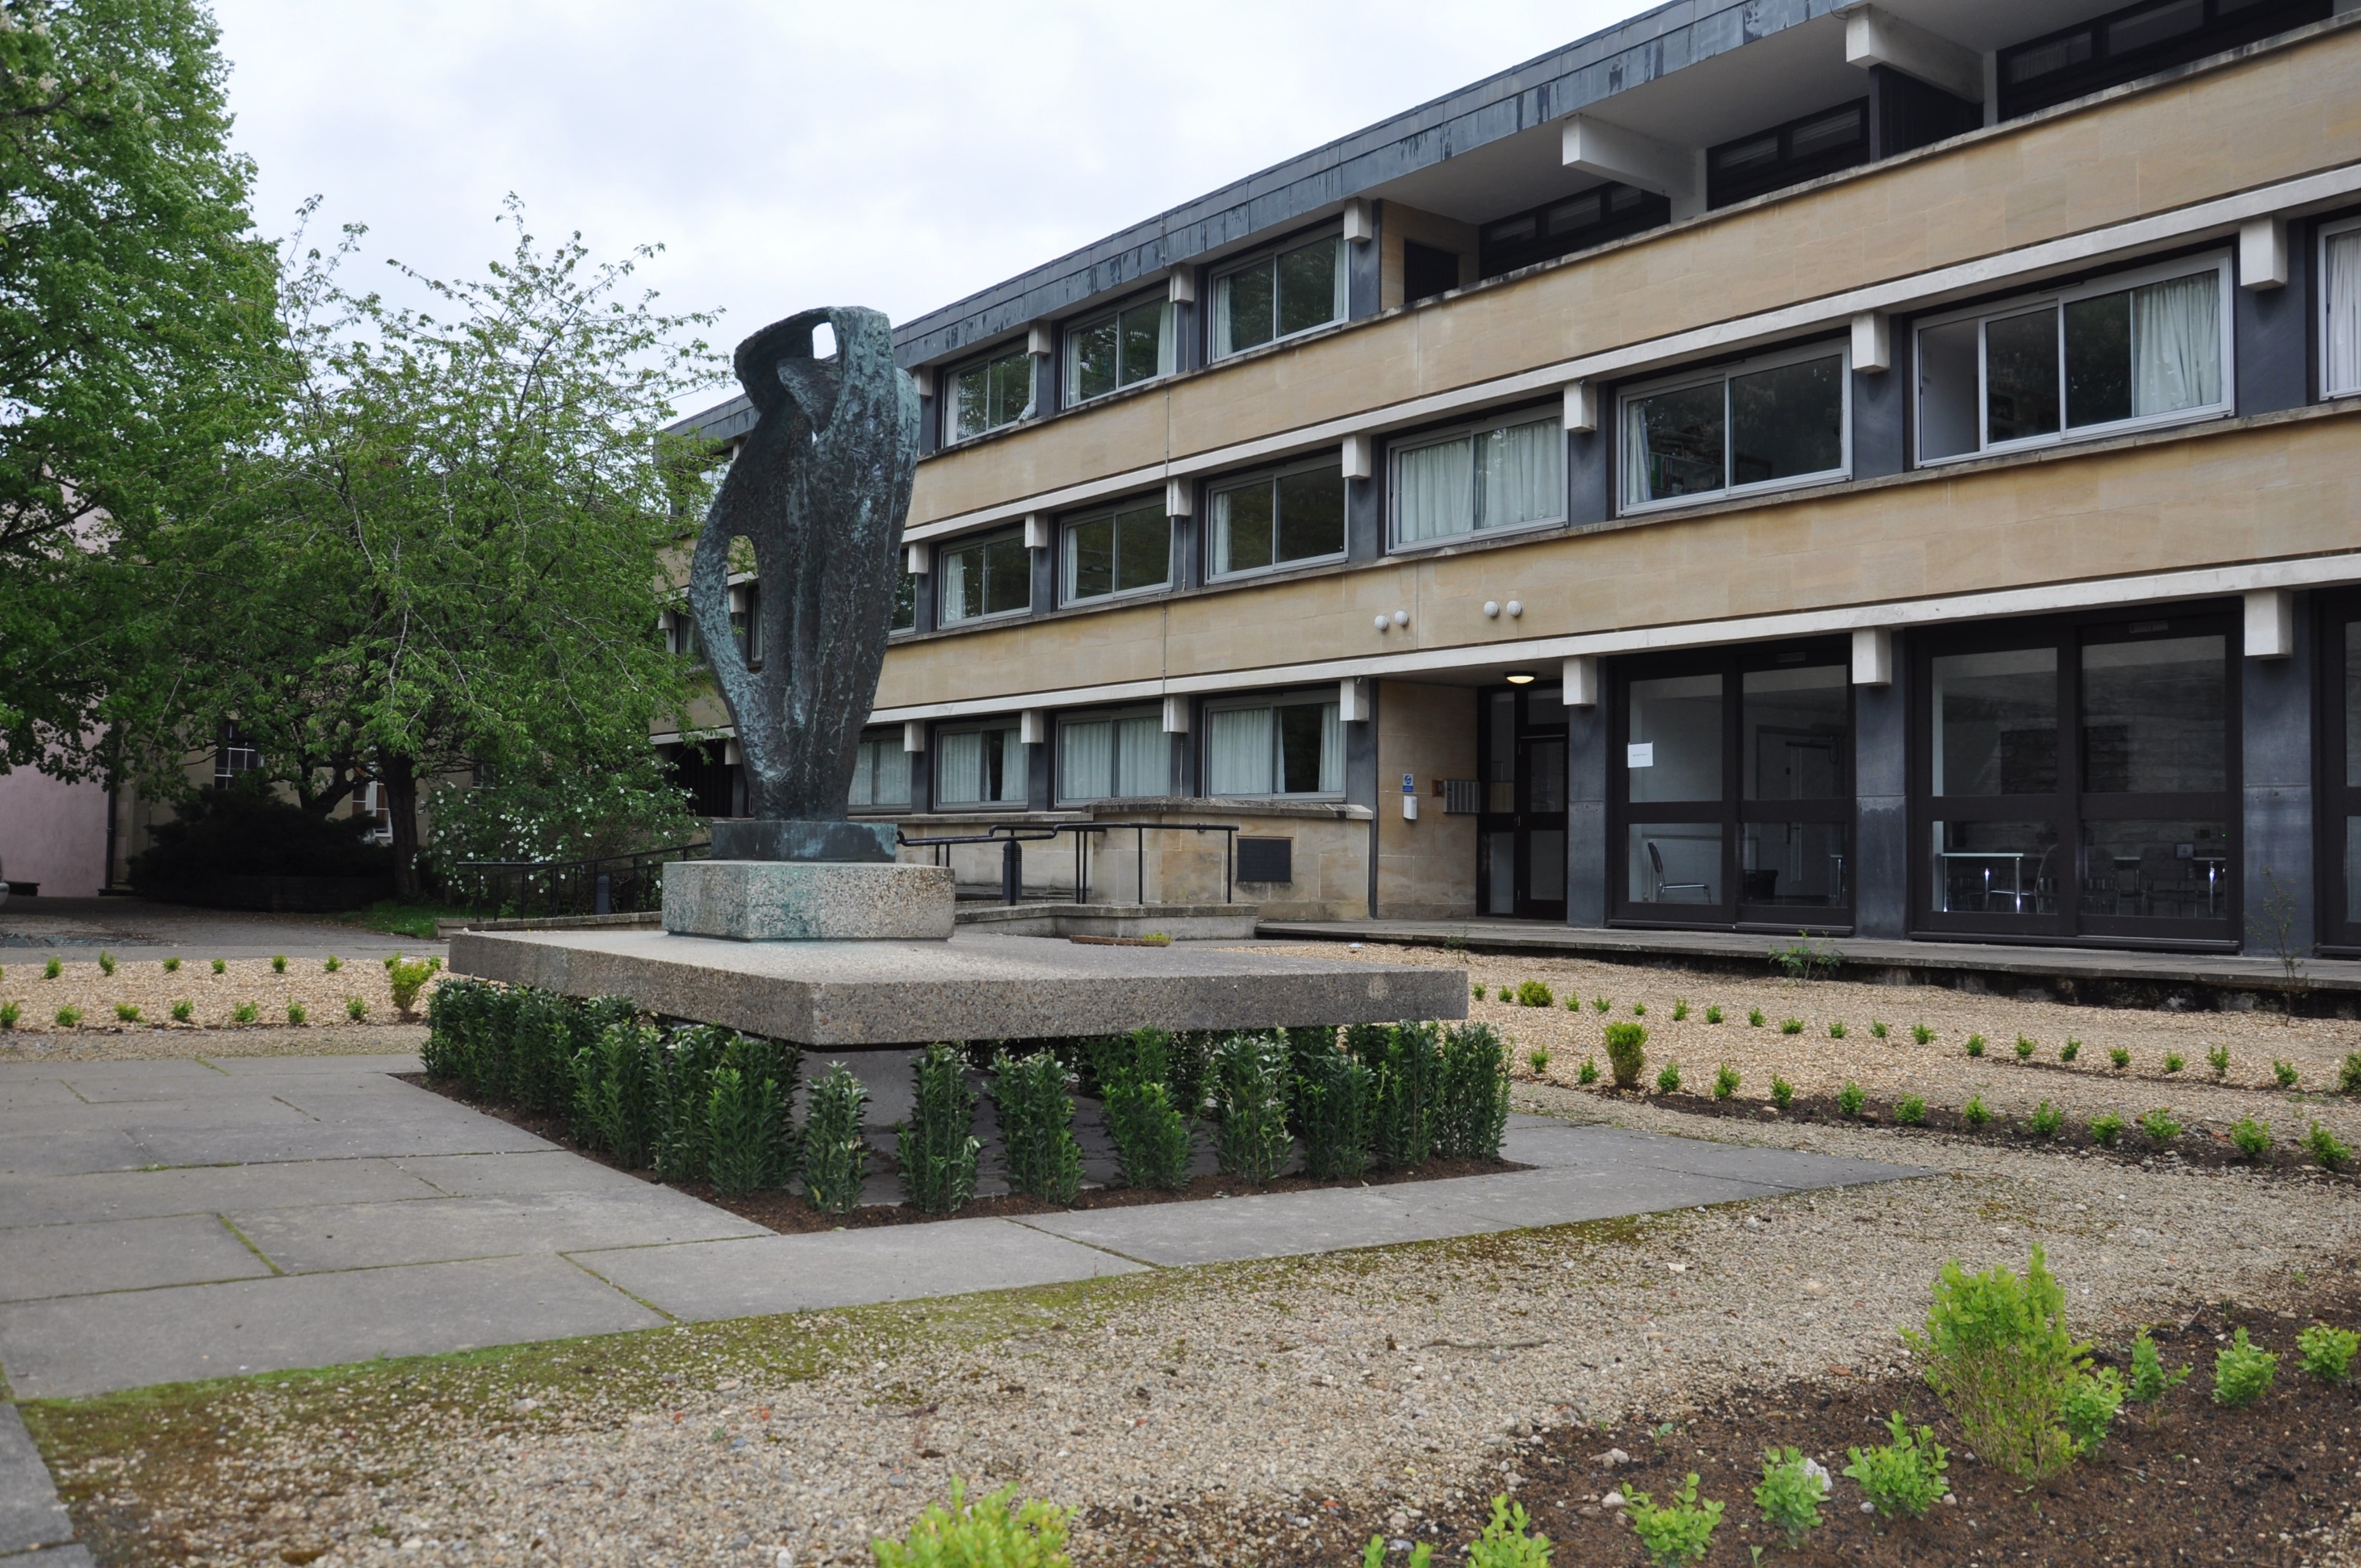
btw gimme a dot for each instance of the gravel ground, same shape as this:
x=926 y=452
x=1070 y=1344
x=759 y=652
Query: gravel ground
x=144 y=983
x=1398 y=1377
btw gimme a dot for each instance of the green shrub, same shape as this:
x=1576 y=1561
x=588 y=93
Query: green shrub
x=1680 y=1008
x=2250 y=1137
x=125 y=1013
x=742 y=1129
x=1627 y=1053
x=70 y=1016
x=2119 y=1057
x=1251 y=1141
x=220 y=966
x=1508 y=994
x=835 y=1158
x=406 y=977
x=2070 y=1050
x=2328 y=1352
x=2284 y=1071
x=10 y=1012
x=1533 y=994
x=1335 y=1098
x=1901 y=1477
x=1505 y=1544
x=1668 y=1080
x=1407 y=1059
x=2159 y=1126
x=1601 y=1004
x=1837 y=1030
x=1725 y=1082
x=332 y=964
x=1922 y=1034
x=2174 y=1061
x=51 y=969
x=1538 y=1058
x=1975 y=1044
x=1850 y=1098
x=1996 y=1352
x=2242 y=1372
x=1152 y=1138
x=1639 y=1010
x=106 y=963
x=2024 y=1048
x=278 y=963
x=993 y=1531
x=2348 y=1076
x=1713 y=1014
x=1038 y=1149
x=2105 y=1128
x=295 y=1013
x=1791 y=1494
x=2150 y=1379
x=2046 y=1121
x=1754 y=1017
x=937 y=1146
x=244 y=1013
x=2090 y=1409
x=1188 y=1067
x=2326 y=1148
x=1791 y=1026
x=1877 y=1030
x=1910 y=1110
x=1975 y=1112
x=172 y=964
x=692 y=1054
x=1678 y=1530
x=617 y=1104
x=1783 y=1093
x=2218 y=1058
x=1589 y=1073
x=1421 y=1555
x=1472 y=1092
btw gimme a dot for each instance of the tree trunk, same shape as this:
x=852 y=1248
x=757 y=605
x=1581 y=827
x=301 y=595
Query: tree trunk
x=399 y=774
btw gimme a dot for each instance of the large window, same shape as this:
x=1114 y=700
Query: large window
x=1594 y=217
x=1278 y=519
x=1766 y=422
x=881 y=774
x=979 y=765
x=1282 y=746
x=991 y=393
x=989 y=575
x=1502 y=474
x=1123 y=551
x=1279 y=295
x=1106 y=354
x=1106 y=756
x=2141 y=38
x=2079 y=780
x=2340 y=318
x=2151 y=348
x=1787 y=154
x=1736 y=783
x=906 y=603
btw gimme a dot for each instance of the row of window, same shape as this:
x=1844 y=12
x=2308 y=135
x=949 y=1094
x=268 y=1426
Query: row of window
x=1255 y=747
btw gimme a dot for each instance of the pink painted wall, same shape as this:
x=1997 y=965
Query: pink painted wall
x=52 y=833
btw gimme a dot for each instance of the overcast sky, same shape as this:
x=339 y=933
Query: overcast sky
x=788 y=154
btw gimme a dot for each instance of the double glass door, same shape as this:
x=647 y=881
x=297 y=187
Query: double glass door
x=1520 y=833
x=1734 y=790
x=2079 y=780
x=2340 y=802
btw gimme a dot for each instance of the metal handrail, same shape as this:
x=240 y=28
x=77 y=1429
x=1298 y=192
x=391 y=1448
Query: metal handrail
x=1013 y=836
x=596 y=882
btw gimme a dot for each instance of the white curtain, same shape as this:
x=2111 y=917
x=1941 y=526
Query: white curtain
x=864 y=773
x=2342 y=372
x=2177 y=345
x=959 y=767
x=1238 y=751
x=1523 y=475
x=888 y=766
x=956 y=563
x=1168 y=344
x=1142 y=755
x=1437 y=490
x=1088 y=760
x=1012 y=763
x=1331 y=750
x=1638 y=468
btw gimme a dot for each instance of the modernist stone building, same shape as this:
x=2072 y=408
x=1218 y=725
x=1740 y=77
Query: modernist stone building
x=1890 y=469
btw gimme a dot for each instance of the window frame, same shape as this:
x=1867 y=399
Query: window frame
x=2327 y=232
x=1069 y=393
x=1217 y=322
x=942 y=577
x=909 y=785
x=1724 y=373
x=1467 y=430
x=1272 y=476
x=1104 y=716
x=952 y=434
x=1317 y=696
x=1068 y=561
x=2057 y=300
x=936 y=756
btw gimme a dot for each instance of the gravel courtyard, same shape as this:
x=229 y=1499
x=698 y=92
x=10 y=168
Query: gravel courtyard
x=1176 y=1403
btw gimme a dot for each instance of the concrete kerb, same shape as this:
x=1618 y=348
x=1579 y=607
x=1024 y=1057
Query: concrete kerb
x=34 y=1530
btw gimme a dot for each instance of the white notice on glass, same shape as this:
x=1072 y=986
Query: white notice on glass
x=1642 y=756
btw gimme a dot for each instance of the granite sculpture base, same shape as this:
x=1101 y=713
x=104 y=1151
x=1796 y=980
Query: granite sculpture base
x=809 y=901
x=975 y=986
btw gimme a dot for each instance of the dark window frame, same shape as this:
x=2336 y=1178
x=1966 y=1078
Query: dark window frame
x=1624 y=210
x=981 y=540
x=2336 y=800
x=2098 y=62
x=947 y=384
x=1325 y=461
x=1724 y=185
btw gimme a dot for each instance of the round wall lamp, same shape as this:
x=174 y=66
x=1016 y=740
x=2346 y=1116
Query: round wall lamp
x=1492 y=608
x=1515 y=610
x=1521 y=677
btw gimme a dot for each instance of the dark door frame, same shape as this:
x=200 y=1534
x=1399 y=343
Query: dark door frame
x=2338 y=802
x=1733 y=810
x=1526 y=819
x=2069 y=807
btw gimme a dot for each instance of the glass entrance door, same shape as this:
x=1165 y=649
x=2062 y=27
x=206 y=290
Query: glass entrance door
x=1521 y=834
x=2340 y=775
x=2079 y=780
x=1734 y=796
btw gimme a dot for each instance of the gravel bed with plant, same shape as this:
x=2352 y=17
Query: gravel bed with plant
x=146 y=996
x=1228 y=1415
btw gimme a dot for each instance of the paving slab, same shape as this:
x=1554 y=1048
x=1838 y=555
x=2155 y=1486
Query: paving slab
x=206 y=1190
x=440 y=1230
x=41 y=1261
x=361 y=1069
x=30 y=1515
x=94 y=1344
x=550 y=1169
x=59 y=1152
x=352 y=1139
x=843 y=1268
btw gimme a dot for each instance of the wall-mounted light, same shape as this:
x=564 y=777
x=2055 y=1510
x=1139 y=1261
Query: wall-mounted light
x=1492 y=609
x=1521 y=677
x=1515 y=610
x=1402 y=617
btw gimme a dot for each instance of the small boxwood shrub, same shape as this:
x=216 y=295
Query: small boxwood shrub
x=1996 y=1352
x=1668 y=1079
x=1783 y=1093
x=2243 y=1372
x=2070 y=1050
x=993 y=1531
x=2284 y=1073
x=2046 y=1121
x=1627 y=1053
x=2105 y=1128
x=2326 y=1148
x=1901 y=1477
x=2328 y=1352
x=2250 y=1137
x=2151 y=1381
x=1533 y=994
x=1725 y=1082
x=1910 y=1111
x=1850 y=1098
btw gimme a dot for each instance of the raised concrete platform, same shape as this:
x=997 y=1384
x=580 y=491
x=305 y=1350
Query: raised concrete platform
x=974 y=986
x=1183 y=922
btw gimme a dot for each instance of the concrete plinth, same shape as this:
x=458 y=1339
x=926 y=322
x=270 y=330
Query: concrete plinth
x=973 y=986
x=809 y=901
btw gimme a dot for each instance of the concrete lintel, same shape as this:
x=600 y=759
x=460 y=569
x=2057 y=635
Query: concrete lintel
x=1875 y=37
x=2270 y=624
x=1613 y=152
x=1872 y=656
